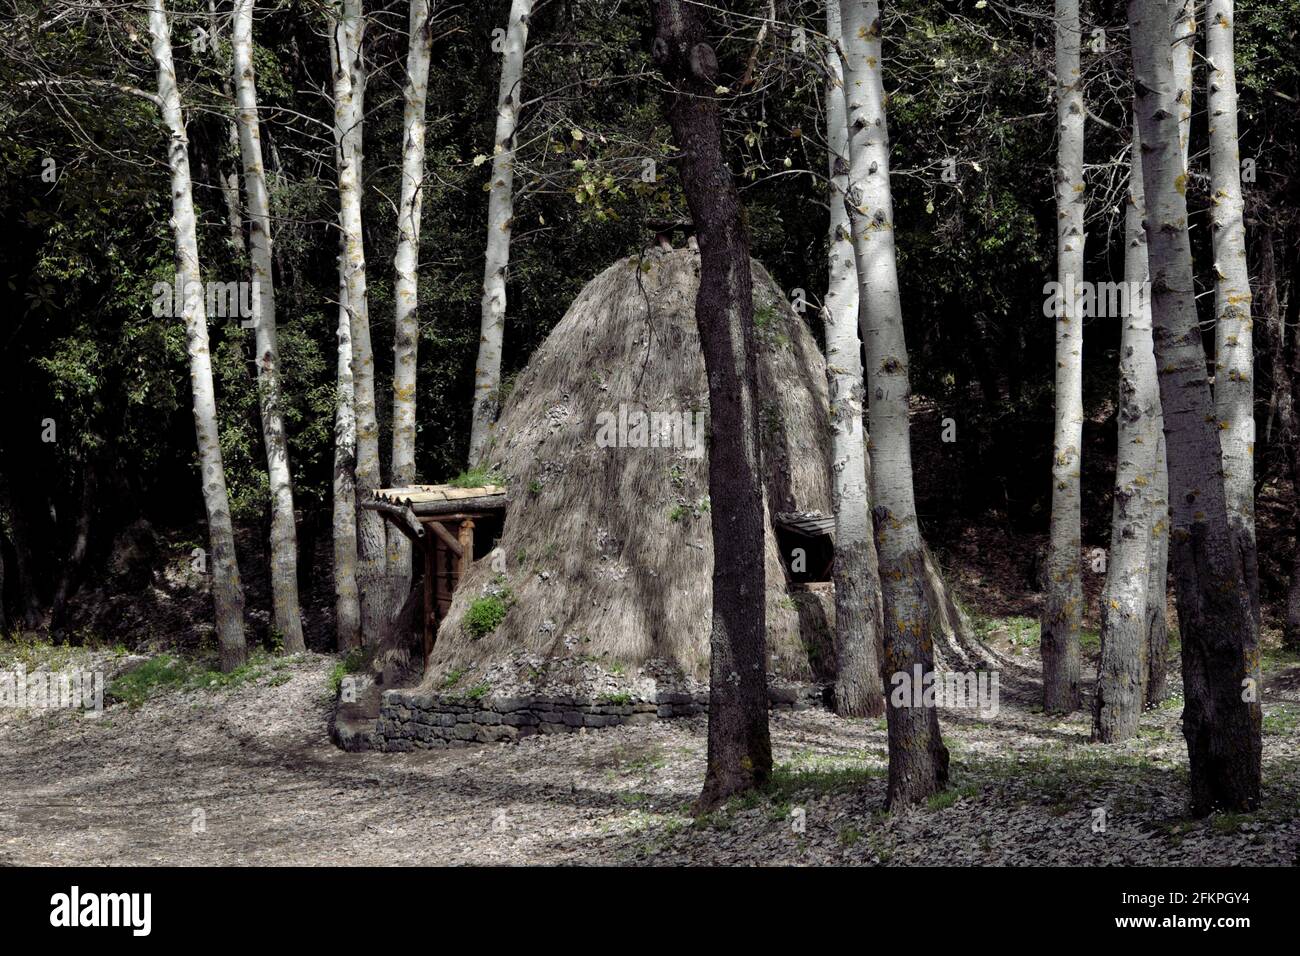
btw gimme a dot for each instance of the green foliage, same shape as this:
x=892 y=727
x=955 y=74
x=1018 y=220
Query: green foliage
x=168 y=672
x=353 y=662
x=947 y=798
x=479 y=476
x=485 y=614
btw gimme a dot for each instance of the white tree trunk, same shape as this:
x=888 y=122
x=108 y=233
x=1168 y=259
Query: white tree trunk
x=1122 y=672
x=406 y=333
x=347 y=602
x=1184 y=39
x=1217 y=627
x=287 y=619
x=347 y=35
x=1063 y=603
x=347 y=606
x=1184 y=53
x=1234 y=375
x=918 y=760
x=501 y=212
x=227 y=592
x=858 y=688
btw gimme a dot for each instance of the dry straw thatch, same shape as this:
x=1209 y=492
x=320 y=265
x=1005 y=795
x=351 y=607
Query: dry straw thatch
x=607 y=551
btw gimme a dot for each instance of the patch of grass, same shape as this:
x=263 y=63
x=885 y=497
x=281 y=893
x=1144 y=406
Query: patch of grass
x=534 y=487
x=33 y=650
x=947 y=798
x=1090 y=639
x=1281 y=720
x=479 y=691
x=1231 y=822
x=789 y=781
x=485 y=614
x=1276 y=658
x=619 y=700
x=477 y=477
x=167 y=672
x=678 y=512
x=717 y=820
x=1019 y=630
x=154 y=676
x=849 y=836
x=453 y=678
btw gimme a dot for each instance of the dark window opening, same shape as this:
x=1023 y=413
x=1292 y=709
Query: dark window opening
x=808 y=558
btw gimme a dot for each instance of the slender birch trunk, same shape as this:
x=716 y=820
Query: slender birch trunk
x=347 y=35
x=740 y=747
x=1184 y=38
x=501 y=212
x=1122 y=673
x=1220 y=652
x=858 y=688
x=227 y=593
x=406 y=332
x=1063 y=604
x=1234 y=376
x=1157 y=639
x=347 y=602
x=918 y=760
x=284 y=535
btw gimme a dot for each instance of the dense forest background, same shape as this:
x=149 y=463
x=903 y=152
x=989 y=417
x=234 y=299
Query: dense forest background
x=972 y=127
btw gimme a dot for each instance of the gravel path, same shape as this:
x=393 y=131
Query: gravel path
x=246 y=775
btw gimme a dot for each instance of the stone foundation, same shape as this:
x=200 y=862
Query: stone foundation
x=410 y=720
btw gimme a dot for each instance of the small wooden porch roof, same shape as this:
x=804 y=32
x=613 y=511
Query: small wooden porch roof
x=811 y=523
x=421 y=512
x=408 y=505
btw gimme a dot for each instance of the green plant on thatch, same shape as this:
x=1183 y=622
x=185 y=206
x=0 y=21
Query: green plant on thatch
x=480 y=476
x=486 y=613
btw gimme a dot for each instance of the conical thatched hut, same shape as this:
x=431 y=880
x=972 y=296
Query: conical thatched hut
x=606 y=553
x=604 y=559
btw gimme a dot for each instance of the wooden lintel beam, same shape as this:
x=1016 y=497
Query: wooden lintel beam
x=400 y=515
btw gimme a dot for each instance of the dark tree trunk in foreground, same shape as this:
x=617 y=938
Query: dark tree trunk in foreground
x=1221 y=717
x=740 y=750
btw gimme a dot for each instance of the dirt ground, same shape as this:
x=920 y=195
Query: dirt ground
x=245 y=774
